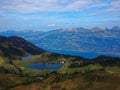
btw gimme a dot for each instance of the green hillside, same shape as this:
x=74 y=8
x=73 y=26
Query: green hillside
x=77 y=73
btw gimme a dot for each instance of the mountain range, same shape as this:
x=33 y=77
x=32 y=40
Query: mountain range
x=104 y=41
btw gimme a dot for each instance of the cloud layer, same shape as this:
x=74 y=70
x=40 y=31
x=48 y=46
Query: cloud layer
x=31 y=6
x=48 y=14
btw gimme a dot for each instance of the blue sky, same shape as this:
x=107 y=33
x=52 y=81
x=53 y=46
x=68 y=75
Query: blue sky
x=47 y=15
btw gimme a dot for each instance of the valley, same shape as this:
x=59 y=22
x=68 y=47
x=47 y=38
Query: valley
x=75 y=72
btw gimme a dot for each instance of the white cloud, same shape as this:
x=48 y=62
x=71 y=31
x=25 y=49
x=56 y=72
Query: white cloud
x=29 y=6
x=112 y=8
x=116 y=4
x=51 y=25
x=32 y=6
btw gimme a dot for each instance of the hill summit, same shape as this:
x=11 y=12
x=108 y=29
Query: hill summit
x=17 y=46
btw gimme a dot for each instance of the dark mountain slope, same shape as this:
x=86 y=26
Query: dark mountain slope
x=17 y=46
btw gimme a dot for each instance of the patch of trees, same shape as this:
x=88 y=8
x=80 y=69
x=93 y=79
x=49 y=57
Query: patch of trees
x=79 y=64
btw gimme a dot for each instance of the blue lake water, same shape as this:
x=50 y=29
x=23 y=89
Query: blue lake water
x=52 y=67
x=88 y=55
x=26 y=58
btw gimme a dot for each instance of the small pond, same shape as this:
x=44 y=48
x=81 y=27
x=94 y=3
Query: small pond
x=40 y=66
x=26 y=58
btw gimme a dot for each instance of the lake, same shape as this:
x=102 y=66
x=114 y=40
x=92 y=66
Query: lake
x=88 y=55
x=26 y=58
x=40 y=66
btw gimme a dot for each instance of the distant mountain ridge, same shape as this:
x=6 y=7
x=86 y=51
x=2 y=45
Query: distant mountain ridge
x=75 y=39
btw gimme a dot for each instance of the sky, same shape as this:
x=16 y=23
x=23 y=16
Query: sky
x=45 y=15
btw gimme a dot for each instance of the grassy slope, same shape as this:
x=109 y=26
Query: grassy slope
x=54 y=58
x=98 y=80
x=65 y=69
x=11 y=80
x=88 y=77
x=47 y=58
x=1 y=61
